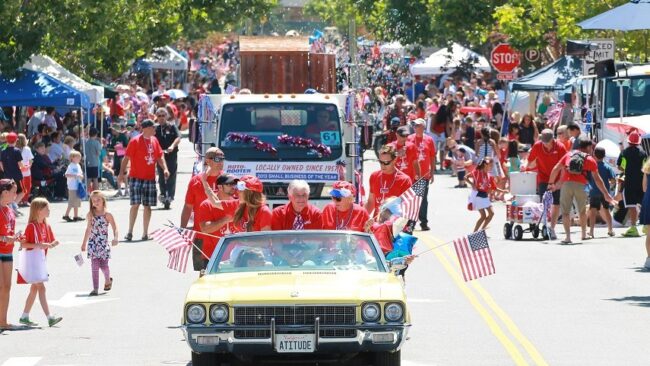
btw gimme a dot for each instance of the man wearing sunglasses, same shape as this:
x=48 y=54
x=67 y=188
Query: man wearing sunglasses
x=387 y=182
x=342 y=213
x=298 y=214
x=213 y=160
x=169 y=137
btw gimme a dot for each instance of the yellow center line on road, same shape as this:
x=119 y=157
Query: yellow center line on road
x=510 y=347
x=454 y=271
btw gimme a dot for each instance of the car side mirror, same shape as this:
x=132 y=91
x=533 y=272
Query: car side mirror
x=397 y=264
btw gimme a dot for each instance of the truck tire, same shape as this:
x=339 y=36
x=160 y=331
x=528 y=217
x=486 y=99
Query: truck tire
x=205 y=359
x=388 y=358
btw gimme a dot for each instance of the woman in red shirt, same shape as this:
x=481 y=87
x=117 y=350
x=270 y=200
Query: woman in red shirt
x=250 y=212
x=7 y=238
x=342 y=213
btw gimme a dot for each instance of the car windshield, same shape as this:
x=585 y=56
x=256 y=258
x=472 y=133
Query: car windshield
x=305 y=250
x=317 y=124
x=636 y=97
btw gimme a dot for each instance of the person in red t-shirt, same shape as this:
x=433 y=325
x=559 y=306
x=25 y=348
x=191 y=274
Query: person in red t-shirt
x=143 y=152
x=407 y=154
x=250 y=212
x=574 y=168
x=426 y=149
x=38 y=235
x=214 y=221
x=298 y=214
x=8 y=236
x=543 y=157
x=342 y=213
x=214 y=159
x=387 y=182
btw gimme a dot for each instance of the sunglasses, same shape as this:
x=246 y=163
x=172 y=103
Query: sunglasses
x=160 y=115
x=218 y=159
x=337 y=199
x=382 y=162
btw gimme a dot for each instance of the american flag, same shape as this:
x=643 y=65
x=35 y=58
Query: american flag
x=554 y=114
x=178 y=243
x=411 y=199
x=474 y=256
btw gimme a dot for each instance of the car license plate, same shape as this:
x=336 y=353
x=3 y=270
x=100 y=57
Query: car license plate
x=294 y=343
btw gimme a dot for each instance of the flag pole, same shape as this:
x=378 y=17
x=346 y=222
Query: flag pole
x=192 y=242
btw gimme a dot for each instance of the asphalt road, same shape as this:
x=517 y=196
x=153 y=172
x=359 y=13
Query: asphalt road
x=584 y=304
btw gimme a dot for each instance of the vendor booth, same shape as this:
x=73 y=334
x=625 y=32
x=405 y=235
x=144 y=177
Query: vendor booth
x=163 y=58
x=445 y=62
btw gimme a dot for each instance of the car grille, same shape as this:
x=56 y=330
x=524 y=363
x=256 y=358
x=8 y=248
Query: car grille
x=338 y=333
x=253 y=333
x=295 y=315
x=266 y=333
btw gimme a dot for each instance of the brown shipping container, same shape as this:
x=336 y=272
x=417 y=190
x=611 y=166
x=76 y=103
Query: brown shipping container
x=284 y=65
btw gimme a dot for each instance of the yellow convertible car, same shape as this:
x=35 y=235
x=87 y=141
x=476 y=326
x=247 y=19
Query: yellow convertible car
x=293 y=296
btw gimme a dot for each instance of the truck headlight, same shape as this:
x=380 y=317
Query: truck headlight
x=370 y=312
x=218 y=313
x=195 y=313
x=393 y=312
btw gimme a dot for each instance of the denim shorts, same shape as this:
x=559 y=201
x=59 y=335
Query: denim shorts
x=6 y=258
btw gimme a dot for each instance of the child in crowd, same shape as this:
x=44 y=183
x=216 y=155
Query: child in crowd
x=470 y=133
x=73 y=175
x=28 y=158
x=483 y=183
x=457 y=131
x=459 y=157
x=596 y=200
x=96 y=240
x=7 y=238
x=38 y=235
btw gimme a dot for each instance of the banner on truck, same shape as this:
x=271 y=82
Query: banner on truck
x=320 y=172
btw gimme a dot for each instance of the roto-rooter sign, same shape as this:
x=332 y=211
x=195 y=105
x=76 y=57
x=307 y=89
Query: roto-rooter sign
x=504 y=58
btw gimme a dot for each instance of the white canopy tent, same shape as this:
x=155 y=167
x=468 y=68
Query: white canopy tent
x=166 y=58
x=445 y=62
x=46 y=65
x=392 y=47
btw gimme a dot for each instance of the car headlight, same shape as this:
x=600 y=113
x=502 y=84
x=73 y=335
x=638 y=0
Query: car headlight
x=195 y=313
x=393 y=312
x=219 y=313
x=370 y=312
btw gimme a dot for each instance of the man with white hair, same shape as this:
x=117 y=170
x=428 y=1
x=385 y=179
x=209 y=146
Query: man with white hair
x=298 y=214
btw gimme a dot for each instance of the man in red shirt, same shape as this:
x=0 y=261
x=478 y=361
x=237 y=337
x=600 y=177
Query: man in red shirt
x=407 y=155
x=574 y=167
x=298 y=214
x=544 y=156
x=214 y=221
x=342 y=213
x=426 y=149
x=143 y=152
x=387 y=182
x=213 y=160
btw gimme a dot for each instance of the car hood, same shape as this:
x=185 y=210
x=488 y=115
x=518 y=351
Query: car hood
x=297 y=287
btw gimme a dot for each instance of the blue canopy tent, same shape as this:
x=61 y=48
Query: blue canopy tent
x=36 y=89
x=559 y=75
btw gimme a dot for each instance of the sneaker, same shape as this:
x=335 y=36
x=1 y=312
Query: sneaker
x=93 y=293
x=27 y=322
x=425 y=227
x=67 y=218
x=632 y=232
x=647 y=263
x=128 y=237
x=118 y=194
x=551 y=234
x=54 y=321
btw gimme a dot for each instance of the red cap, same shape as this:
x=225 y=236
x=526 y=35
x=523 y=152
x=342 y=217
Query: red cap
x=342 y=184
x=12 y=137
x=633 y=138
x=166 y=96
x=251 y=183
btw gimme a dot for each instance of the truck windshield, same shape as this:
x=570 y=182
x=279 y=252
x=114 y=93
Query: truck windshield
x=306 y=126
x=636 y=97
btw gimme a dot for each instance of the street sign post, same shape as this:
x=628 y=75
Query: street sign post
x=605 y=51
x=504 y=58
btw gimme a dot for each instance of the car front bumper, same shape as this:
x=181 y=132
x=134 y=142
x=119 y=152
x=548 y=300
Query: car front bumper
x=369 y=338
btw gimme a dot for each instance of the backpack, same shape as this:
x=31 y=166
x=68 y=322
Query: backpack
x=577 y=162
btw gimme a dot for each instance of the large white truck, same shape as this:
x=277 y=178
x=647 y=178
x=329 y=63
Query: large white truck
x=282 y=137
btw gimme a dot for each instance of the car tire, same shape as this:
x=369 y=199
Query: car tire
x=388 y=358
x=205 y=359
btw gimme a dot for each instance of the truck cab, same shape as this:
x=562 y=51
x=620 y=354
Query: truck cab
x=282 y=137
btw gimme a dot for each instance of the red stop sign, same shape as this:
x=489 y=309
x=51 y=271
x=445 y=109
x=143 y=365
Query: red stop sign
x=504 y=58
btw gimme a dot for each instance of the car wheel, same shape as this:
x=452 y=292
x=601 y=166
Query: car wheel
x=205 y=359
x=388 y=358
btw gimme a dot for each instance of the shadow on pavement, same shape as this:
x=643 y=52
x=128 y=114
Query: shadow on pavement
x=634 y=300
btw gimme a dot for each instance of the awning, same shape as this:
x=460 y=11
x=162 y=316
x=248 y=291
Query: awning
x=36 y=89
x=445 y=62
x=559 y=75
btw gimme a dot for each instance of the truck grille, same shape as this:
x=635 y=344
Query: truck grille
x=295 y=315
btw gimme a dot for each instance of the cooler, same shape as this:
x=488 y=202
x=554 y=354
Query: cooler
x=523 y=183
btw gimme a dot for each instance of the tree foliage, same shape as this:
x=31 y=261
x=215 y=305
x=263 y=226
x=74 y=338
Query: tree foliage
x=98 y=37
